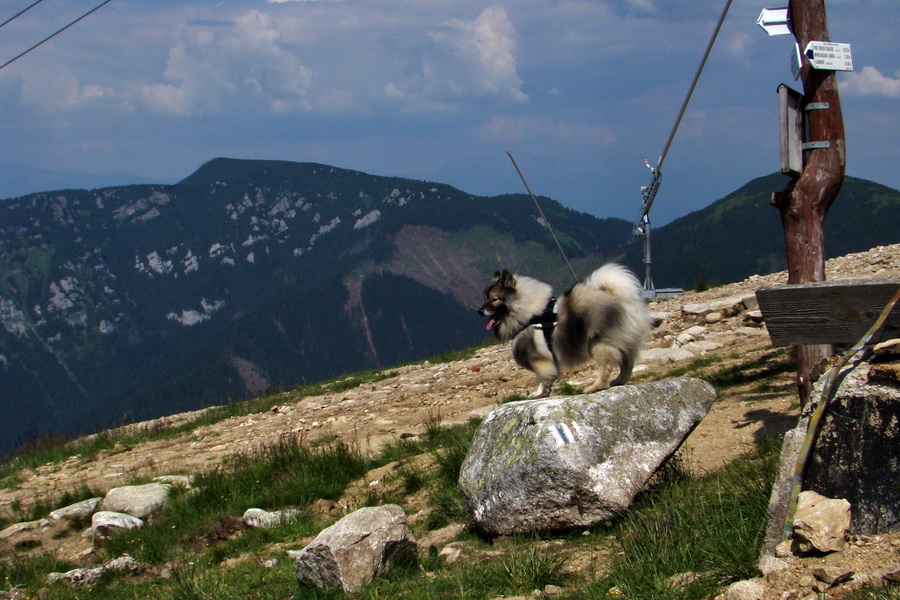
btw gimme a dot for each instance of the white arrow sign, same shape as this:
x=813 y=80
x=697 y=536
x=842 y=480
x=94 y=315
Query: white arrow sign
x=776 y=21
x=829 y=55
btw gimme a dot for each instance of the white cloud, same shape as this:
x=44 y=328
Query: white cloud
x=465 y=59
x=870 y=82
x=220 y=66
x=486 y=44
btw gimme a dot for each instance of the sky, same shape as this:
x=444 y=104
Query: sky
x=581 y=92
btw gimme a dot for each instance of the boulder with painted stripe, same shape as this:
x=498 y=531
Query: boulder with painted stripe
x=575 y=461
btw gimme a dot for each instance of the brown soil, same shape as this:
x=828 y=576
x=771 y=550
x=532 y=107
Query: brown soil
x=401 y=405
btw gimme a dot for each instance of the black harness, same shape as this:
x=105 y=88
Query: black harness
x=546 y=321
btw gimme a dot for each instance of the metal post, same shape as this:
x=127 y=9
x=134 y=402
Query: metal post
x=649 y=288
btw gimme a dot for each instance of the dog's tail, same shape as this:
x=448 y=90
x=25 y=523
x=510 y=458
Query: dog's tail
x=616 y=280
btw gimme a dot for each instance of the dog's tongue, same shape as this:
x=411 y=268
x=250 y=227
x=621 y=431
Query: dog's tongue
x=490 y=324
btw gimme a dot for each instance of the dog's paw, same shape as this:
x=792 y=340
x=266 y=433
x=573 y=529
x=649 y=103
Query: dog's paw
x=541 y=392
x=595 y=388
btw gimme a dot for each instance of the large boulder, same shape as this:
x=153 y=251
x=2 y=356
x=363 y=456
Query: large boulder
x=575 y=461
x=105 y=524
x=362 y=545
x=857 y=452
x=136 y=500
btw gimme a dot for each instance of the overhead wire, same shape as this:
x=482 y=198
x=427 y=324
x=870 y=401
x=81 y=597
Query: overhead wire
x=53 y=35
x=21 y=12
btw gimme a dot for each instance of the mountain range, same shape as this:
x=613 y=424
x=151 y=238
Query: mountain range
x=131 y=302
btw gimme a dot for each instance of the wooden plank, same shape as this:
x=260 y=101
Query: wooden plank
x=828 y=312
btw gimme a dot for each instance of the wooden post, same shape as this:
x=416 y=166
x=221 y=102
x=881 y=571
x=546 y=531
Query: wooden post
x=807 y=198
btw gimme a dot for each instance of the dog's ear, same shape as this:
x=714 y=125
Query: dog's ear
x=507 y=280
x=496 y=277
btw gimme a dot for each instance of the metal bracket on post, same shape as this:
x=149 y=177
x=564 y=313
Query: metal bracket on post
x=817 y=106
x=816 y=145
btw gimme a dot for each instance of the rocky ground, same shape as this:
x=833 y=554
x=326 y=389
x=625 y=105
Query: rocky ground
x=402 y=404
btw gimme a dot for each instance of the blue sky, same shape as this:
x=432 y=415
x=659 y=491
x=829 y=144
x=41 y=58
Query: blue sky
x=580 y=91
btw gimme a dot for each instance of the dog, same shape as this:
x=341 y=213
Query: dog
x=602 y=317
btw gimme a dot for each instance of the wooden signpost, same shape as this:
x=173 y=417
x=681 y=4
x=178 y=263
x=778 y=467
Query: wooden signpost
x=807 y=198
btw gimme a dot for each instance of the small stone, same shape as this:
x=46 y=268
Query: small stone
x=552 y=590
x=770 y=564
x=783 y=550
x=832 y=575
x=450 y=554
x=714 y=317
x=745 y=590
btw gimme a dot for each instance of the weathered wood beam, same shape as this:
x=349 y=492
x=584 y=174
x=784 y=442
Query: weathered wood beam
x=828 y=312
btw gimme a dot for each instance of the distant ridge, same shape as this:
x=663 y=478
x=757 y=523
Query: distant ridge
x=741 y=234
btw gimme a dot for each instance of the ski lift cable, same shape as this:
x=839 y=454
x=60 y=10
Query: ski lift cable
x=543 y=218
x=21 y=12
x=53 y=35
x=650 y=190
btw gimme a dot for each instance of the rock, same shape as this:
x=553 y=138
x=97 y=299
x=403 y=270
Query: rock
x=665 y=355
x=575 y=461
x=714 y=317
x=885 y=372
x=773 y=545
x=552 y=590
x=770 y=564
x=750 y=331
x=821 y=524
x=18 y=528
x=695 y=309
x=702 y=347
x=185 y=481
x=657 y=318
x=689 y=335
x=887 y=348
x=754 y=316
x=257 y=518
x=731 y=304
x=891 y=573
x=136 y=500
x=85 y=577
x=832 y=575
x=450 y=554
x=857 y=451
x=75 y=512
x=442 y=536
x=750 y=302
x=362 y=545
x=748 y=589
x=106 y=523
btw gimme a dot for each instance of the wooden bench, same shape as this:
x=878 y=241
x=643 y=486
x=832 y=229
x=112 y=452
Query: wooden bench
x=828 y=312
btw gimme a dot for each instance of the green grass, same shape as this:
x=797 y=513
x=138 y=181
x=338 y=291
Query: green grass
x=286 y=474
x=712 y=526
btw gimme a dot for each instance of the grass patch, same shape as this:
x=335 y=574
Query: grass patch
x=288 y=473
x=711 y=527
x=533 y=564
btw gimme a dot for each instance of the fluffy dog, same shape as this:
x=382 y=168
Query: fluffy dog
x=603 y=318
